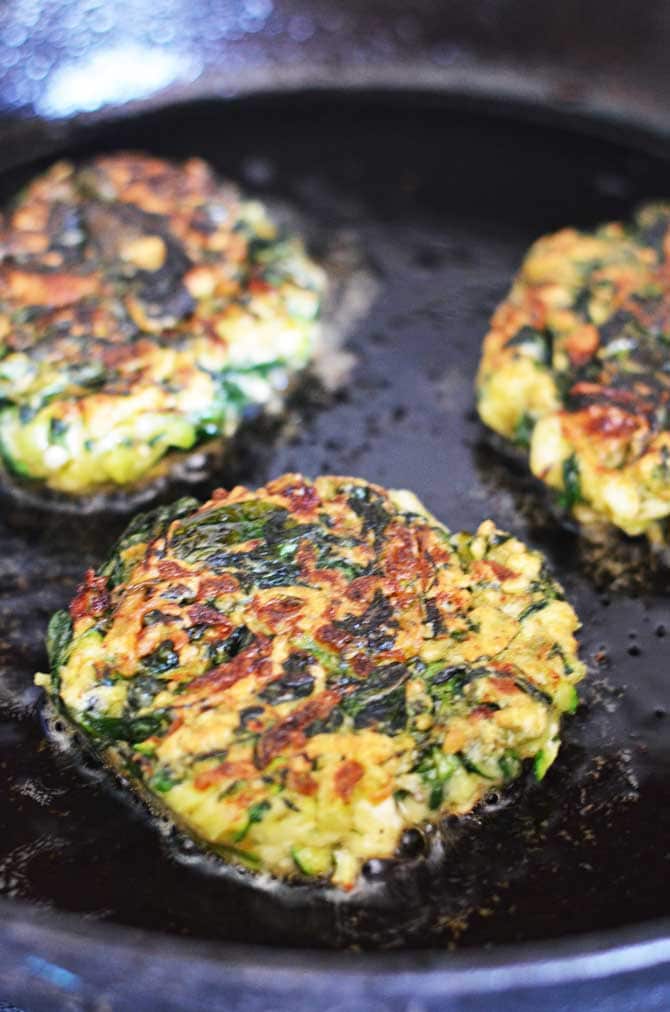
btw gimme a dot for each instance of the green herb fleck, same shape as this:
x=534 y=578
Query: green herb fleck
x=572 y=489
x=254 y=814
x=162 y=659
x=524 y=430
x=163 y=780
x=532 y=608
x=59 y=637
x=436 y=769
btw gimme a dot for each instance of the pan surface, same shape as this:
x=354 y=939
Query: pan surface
x=443 y=204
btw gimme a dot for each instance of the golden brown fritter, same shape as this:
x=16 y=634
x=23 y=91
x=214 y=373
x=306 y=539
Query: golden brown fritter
x=576 y=367
x=145 y=308
x=303 y=672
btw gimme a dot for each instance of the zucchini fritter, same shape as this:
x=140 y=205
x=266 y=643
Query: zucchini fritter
x=145 y=308
x=301 y=673
x=576 y=367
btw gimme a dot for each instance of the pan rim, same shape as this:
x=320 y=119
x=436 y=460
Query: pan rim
x=574 y=959
x=33 y=138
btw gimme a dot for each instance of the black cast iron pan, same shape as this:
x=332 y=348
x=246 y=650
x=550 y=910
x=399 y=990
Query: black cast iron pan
x=443 y=200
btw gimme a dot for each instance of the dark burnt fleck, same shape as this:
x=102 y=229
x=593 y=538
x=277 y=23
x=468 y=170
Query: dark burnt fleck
x=433 y=616
x=251 y=715
x=225 y=650
x=165 y=298
x=163 y=658
x=370 y=508
x=375 y=628
x=295 y=684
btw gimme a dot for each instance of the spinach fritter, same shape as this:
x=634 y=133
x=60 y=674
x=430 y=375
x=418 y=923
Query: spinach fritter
x=145 y=309
x=576 y=368
x=303 y=672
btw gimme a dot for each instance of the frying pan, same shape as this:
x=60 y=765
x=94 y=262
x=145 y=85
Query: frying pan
x=442 y=142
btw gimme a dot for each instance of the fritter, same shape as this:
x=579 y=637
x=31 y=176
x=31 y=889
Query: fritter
x=301 y=673
x=576 y=368
x=145 y=308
